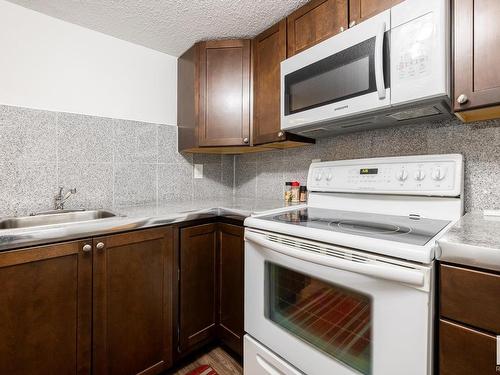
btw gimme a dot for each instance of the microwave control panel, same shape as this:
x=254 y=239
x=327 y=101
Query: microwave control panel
x=440 y=175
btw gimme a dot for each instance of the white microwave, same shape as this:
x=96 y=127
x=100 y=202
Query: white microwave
x=389 y=69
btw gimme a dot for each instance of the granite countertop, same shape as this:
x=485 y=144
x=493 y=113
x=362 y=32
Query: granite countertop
x=473 y=241
x=136 y=217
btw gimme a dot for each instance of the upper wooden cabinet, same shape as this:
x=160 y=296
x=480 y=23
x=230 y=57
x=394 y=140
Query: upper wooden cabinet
x=46 y=309
x=360 y=10
x=315 y=22
x=269 y=50
x=476 y=59
x=224 y=113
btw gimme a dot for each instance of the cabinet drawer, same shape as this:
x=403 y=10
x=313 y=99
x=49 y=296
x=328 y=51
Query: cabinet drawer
x=464 y=351
x=471 y=297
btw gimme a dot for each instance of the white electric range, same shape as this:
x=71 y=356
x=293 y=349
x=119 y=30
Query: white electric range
x=344 y=285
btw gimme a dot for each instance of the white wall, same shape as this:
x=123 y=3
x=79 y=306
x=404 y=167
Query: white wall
x=53 y=65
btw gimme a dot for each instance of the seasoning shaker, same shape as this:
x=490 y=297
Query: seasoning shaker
x=303 y=194
x=288 y=191
x=295 y=191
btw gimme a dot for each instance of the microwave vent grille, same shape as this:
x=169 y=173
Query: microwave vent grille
x=415 y=113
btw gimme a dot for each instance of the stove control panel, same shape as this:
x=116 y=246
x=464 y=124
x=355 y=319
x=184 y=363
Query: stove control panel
x=439 y=175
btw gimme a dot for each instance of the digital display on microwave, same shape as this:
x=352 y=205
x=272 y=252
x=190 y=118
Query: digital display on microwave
x=368 y=171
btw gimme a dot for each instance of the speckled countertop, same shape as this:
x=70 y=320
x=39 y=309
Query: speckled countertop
x=473 y=241
x=136 y=217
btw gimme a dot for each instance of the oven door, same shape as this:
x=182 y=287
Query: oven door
x=344 y=75
x=329 y=310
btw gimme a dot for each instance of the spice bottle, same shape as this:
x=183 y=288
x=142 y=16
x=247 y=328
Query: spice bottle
x=288 y=191
x=295 y=191
x=303 y=194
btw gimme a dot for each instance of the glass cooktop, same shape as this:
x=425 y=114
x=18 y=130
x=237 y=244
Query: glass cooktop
x=405 y=229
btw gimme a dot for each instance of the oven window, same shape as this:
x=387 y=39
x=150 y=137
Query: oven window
x=331 y=318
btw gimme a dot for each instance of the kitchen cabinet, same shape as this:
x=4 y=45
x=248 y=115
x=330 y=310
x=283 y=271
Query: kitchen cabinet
x=46 y=309
x=197 y=286
x=268 y=51
x=132 y=302
x=231 y=286
x=360 y=10
x=465 y=351
x=469 y=320
x=476 y=37
x=224 y=112
x=314 y=22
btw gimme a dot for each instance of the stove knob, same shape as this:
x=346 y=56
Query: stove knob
x=402 y=175
x=419 y=175
x=329 y=177
x=319 y=176
x=438 y=173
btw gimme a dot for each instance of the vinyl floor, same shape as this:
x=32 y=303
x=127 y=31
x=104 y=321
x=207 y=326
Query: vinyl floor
x=219 y=359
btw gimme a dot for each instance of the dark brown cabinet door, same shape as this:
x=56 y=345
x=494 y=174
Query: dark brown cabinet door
x=315 y=22
x=360 y=10
x=231 y=286
x=132 y=294
x=268 y=51
x=197 y=286
x=224 y=97
x=45 y=313
x=465 y=351
x=476 y=54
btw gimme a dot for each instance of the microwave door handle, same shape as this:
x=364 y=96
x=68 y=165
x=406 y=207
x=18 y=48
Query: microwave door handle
x=379 y=61
x=381 y=271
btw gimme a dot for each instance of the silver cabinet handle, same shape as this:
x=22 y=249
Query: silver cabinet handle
x=352 y=23
x=281 y=133
x=245 y=140
x=99 y=246
x=87 y=248
x=462 y=99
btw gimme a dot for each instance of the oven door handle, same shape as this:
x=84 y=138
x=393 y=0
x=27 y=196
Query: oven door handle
x=381 y=271
x=379 y=61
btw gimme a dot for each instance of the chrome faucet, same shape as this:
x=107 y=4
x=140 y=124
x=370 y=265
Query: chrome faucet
x=60 y=199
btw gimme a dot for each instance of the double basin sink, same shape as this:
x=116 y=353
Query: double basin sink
x=54 y=217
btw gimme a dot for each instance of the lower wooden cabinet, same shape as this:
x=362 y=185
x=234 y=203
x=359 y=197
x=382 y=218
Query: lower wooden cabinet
x=46 y=310
x=466 y=351
x=100 y=306
x=210 y=286
x=231 y=286
x=197 y=286
x=132 y=302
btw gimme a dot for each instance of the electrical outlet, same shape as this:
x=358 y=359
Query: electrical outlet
x=198 y=171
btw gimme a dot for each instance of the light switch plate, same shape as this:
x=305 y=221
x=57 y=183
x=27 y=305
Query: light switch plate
x=198 y=171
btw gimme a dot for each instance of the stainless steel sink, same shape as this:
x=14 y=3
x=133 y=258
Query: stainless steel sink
x=53 y=218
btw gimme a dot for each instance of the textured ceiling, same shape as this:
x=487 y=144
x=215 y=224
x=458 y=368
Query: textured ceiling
x=170 y=26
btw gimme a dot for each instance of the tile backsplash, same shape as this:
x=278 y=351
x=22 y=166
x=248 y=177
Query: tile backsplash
x=111 y=162
x=115 y=163
x=264 y=175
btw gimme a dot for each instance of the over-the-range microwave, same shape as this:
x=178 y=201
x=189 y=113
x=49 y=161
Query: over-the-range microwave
x=388 y=70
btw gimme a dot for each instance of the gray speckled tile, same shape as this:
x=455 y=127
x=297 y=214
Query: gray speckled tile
x=270 y=181
x=27 y=134
x=475 y=141
x=135 y=142
x=246 y=180
x=167 y=146
x=134 y=183
x=84 y=138
x=228 y=173
x=399 y=141
x=296 y=170
x=26 y=187
x=482 y=185
x=94 y=184
x=175 y=182
x=211 y=183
